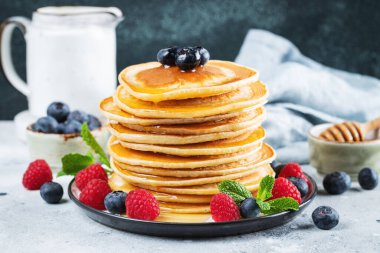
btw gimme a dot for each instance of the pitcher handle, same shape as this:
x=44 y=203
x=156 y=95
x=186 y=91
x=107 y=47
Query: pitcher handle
x=6 y=30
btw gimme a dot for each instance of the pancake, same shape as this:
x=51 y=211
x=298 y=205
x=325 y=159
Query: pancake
x=148 y=159
x=184 y=218
x=265 y=156
x=128 y=135
x=152 y=180
x=232 y=124
x=251 y=182
x=224 y=146
x=114 y=113
x=246 y=96
x=153 y=82
x=117 y=183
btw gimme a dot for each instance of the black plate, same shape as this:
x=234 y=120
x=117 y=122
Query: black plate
x=192 y=230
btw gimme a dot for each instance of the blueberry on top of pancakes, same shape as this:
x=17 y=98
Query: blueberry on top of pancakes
x=205 y=55
x=166 y=56
x=186 y=58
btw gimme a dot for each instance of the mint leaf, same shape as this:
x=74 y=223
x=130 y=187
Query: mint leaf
x=236 y=190
x=265 y=188
x=281 y=204
x=90 y=141
x=73 y=163
x=61 y=173
x=264 y=206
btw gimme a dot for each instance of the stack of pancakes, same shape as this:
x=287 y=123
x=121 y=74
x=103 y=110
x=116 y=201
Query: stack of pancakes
x=178 y=134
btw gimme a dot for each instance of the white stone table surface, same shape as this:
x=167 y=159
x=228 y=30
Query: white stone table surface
x=28 y=224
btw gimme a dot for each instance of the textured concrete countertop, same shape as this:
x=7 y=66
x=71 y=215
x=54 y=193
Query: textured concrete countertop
x=28 y=224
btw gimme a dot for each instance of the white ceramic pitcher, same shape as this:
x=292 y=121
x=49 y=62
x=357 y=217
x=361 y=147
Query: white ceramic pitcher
x=71 y=56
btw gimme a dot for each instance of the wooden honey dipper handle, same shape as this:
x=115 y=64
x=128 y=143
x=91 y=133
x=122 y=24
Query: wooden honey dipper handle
x=350 y=131
x=372 y=125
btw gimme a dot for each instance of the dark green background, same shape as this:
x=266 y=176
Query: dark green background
x=339 y=33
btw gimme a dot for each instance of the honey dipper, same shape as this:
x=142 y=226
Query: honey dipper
x=350 y=131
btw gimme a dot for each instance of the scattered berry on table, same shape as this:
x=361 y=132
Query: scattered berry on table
x=368 y=178
x=141 y=204
x=93 y=122
x=301 y=185
x=292 y=170
x=72 y=126
x=115 y=202
x=78 y=116
x=205 y=55
x=51 y=192
x=94 y=194
x=94 y=171
x=187 y=58
x=284 y=188
x=224 y=208
x=337 y=182
x=249 y=208
x=37 y=173
x=325 y=217
x=45 y=125
x=58 y=111
x=167 y=56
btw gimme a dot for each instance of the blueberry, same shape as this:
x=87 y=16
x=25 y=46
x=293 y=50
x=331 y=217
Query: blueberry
x=325 y=217
x=277 y=167
x=72 y=126
x=337 y=182
x=115 y=202
x=187 y=58
x=59 y=111
x=301 y=185
x=368 y=178
x=205 y=55
x=45 y=125
x=78 y=116
x=248 y=208
x=61 y=128
x=51 y=192
x=166 y=56
x=93 y=122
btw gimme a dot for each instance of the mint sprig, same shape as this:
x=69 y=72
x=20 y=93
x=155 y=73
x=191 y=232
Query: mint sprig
x=93 y=144
x=239 y=193
x=265 y=188
x=281 y=204
x=74 y=162
x=236 y=190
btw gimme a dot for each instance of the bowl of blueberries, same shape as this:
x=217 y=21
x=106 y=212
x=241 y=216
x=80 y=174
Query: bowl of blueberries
x=58 y=133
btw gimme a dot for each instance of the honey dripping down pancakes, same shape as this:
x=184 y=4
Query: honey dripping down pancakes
x=178 y=131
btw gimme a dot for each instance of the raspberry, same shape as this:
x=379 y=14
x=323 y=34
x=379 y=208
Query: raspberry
x=284 y=188
x=94 y=171
x=293 y=170
x=94 y=194
x=37 y=173
x=141 y=204
x=223 y=208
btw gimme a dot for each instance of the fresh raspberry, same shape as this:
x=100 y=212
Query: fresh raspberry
x=37 y=173
x=223 y=208
x=284 y=188
x=293 y=170
x=142 y=205
x=94 y=171
x=94 y=194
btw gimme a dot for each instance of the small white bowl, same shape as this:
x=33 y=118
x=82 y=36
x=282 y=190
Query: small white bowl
x=330 y=156
x=52 y=147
